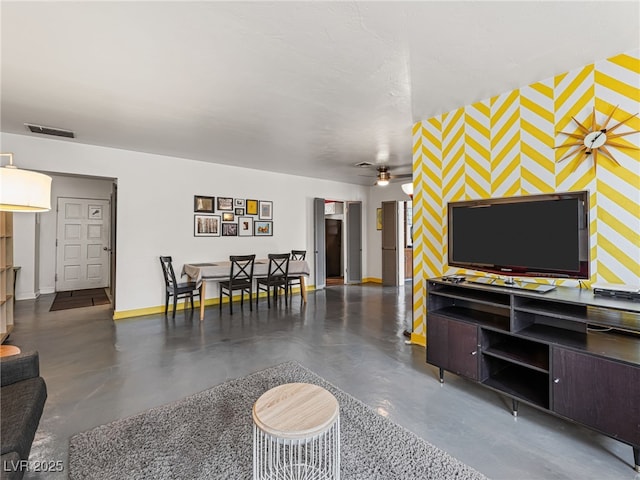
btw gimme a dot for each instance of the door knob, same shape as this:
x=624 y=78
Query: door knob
x=106 y=249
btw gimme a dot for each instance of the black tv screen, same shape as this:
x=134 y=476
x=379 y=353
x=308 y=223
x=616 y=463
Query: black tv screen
x=536 y=235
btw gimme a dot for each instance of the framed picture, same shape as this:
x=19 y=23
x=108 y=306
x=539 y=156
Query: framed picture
x=203 y=204
x=245 y=226
x=238 y=202
x=95 y=212
x=266 y=210
x=206 y=225
x=262 y=229
x=252 y=207
x=225 y=203
x=239 y=211
x=378 y=219
x=227 y=217
x=229 y=229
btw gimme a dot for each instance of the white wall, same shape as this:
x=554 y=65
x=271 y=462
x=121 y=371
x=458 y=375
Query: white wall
x=24 y=255
x=155 y=208
x=391 y=192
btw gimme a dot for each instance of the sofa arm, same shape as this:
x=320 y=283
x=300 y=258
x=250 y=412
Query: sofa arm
x=19 y=367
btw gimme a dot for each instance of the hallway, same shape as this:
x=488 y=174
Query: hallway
x=98 y=370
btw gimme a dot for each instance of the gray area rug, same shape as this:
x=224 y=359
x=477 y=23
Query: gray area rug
x=209 y=436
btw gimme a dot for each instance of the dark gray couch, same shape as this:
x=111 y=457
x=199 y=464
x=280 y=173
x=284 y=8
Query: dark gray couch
x=22 y=396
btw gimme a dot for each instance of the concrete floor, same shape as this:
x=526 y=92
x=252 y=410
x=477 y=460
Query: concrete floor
x=98 y=370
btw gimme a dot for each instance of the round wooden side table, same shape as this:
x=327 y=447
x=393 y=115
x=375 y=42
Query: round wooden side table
x=8 y=350
x=296 y=434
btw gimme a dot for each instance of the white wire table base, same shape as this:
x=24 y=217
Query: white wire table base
x=315 y=458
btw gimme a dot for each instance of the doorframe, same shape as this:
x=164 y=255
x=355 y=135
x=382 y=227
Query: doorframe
x=319 y=247
x=113 y=225
x=113 y=243
x=320 y=257
x=57 y=243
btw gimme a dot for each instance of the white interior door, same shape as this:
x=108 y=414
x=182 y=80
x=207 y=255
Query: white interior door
x=82 y=251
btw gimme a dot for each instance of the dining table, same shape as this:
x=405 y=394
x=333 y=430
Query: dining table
x=219 y=270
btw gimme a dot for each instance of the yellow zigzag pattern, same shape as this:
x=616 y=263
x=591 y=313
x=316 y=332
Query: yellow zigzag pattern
x=505 y=146
x=574 y=92
x=618 y=194
x=537 y=137
x=477 y=135
x=427 y=208
x=453 y=176
x=505 y=143
x=418 y=226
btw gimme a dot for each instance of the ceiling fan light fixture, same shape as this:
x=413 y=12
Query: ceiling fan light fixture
x=383 y=176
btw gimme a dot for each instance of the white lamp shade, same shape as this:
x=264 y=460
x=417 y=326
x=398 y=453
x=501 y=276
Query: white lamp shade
x=24 y=190
x=382 y=183
x=408 y=189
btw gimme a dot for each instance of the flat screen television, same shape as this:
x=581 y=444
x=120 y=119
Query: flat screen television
x=534 y=235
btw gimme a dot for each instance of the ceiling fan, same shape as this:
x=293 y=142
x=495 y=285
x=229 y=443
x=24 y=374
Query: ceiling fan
x=384 y=175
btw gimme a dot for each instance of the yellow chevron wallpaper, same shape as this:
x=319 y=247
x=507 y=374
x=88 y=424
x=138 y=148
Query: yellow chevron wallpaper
x=504 y=146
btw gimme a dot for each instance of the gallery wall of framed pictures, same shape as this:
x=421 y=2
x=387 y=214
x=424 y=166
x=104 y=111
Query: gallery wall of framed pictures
x=232 y=217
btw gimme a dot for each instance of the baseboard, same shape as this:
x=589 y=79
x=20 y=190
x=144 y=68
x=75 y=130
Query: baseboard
x=44 y=291
x=26 y=296
x=140 y=312
x=371 y=280
x=418 y=339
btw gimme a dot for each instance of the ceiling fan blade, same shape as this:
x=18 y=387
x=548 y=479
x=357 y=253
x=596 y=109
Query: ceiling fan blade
x=403 y=175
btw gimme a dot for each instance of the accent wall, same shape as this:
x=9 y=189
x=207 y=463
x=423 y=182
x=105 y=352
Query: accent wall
x=504 y=146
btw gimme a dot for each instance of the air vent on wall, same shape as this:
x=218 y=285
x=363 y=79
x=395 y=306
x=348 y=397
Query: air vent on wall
x=364 y=164
x=58 y=132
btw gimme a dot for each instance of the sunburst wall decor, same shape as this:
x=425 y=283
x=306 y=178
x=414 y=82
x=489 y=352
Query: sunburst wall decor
x=595 y=139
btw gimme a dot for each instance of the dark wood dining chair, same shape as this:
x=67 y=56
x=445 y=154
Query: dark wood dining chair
x=276 y=278
x=175 y=289
x=291 y=281
x=240 y=278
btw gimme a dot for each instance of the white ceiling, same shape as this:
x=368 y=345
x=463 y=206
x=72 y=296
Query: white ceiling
x=307 y=88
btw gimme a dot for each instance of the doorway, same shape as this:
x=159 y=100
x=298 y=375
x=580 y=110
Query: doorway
x=333 y=240
x=349 y=214
x=408 y=241
x=42 y=261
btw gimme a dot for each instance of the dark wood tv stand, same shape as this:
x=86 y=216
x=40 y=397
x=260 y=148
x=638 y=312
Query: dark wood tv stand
x=567 y=352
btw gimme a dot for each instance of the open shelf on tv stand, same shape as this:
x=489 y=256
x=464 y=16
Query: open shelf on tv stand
x=565 y=351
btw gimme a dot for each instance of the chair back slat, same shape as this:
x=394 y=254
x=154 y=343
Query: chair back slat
x=167 y=270
x=278 y=265
x=298 y=254
x=241 y=268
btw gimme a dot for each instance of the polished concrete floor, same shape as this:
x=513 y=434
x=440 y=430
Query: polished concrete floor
x=98 y=370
